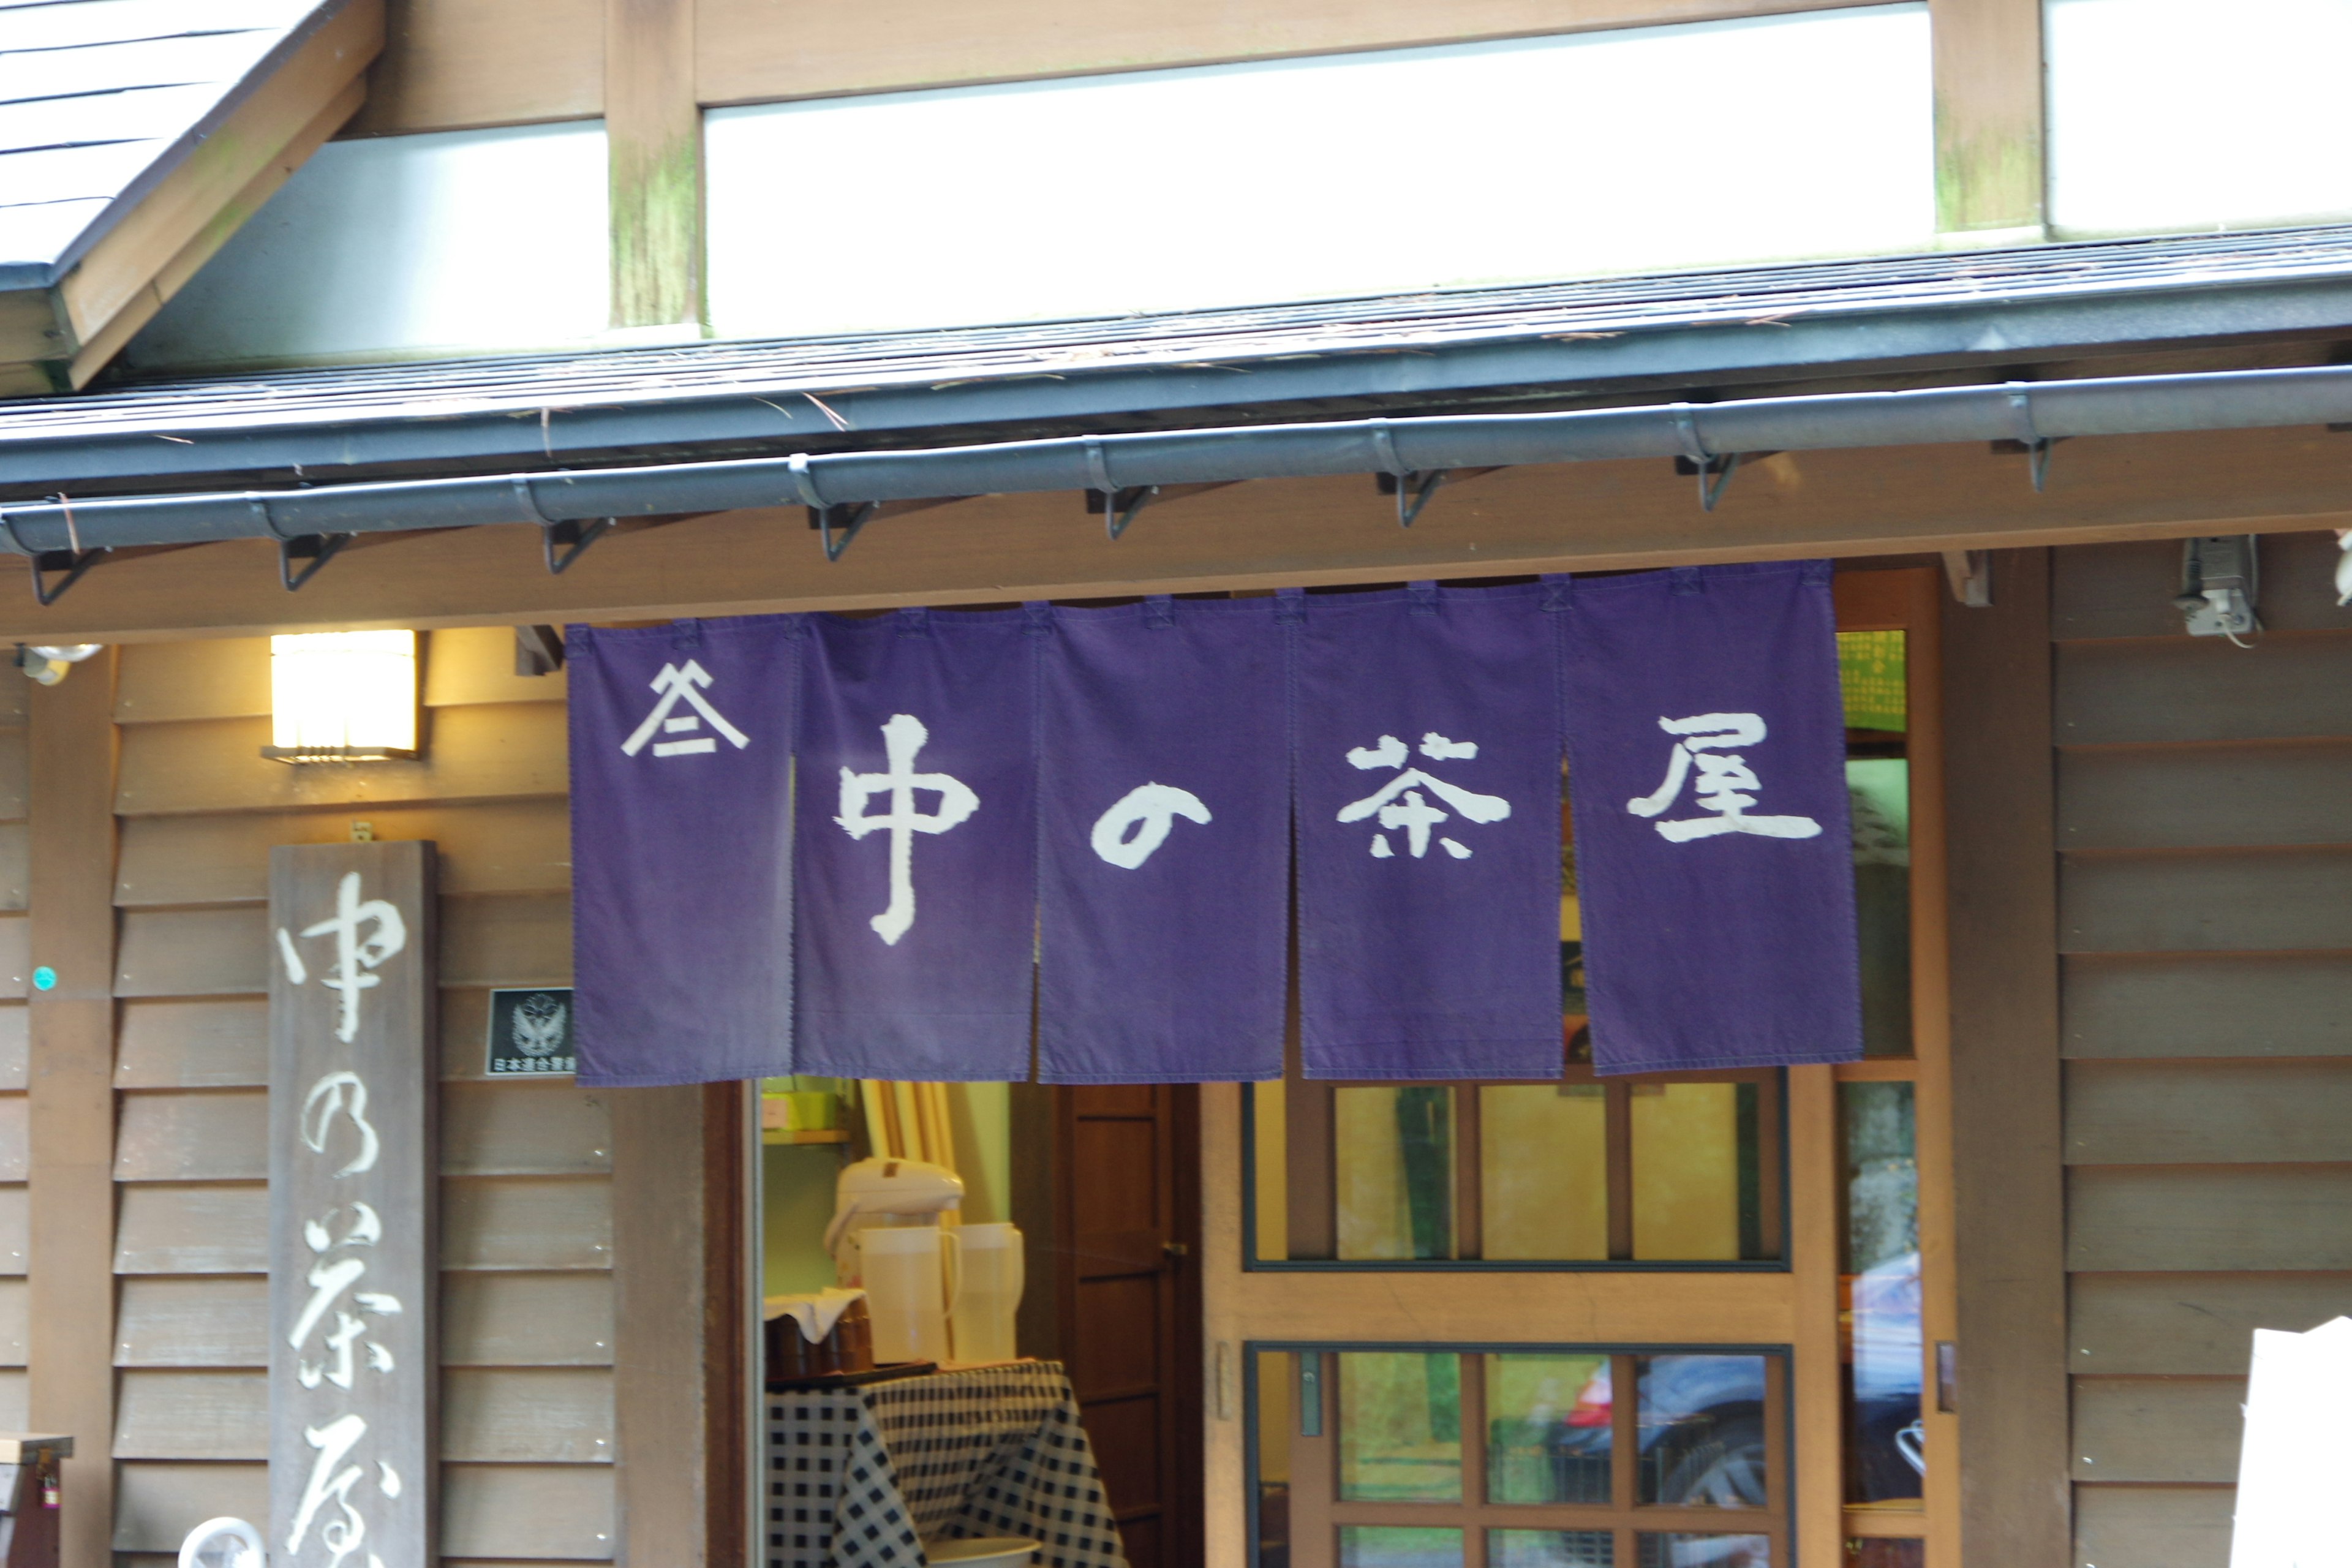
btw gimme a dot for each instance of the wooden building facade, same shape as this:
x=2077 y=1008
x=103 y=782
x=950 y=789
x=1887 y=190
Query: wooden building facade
x=2129 y=979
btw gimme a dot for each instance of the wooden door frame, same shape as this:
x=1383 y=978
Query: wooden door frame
x=1796 y=1309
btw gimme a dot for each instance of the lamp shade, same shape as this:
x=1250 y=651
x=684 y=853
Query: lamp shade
x=343 y=696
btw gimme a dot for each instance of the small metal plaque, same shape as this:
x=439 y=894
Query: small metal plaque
x=530 y=1033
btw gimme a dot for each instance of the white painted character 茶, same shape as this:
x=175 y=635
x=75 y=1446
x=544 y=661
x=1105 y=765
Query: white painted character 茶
x=1406 y=802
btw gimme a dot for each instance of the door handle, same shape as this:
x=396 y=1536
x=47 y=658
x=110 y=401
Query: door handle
x=1175 y=1250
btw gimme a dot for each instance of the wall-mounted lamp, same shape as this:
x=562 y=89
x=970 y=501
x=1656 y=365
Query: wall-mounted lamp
x=343 y=697
x=2220 y=578
x=48 y=662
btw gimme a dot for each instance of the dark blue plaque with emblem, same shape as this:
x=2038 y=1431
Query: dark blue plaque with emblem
x=530 y=1033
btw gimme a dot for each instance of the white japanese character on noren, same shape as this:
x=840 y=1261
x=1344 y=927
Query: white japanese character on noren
x=1399 y=803
x=1139 y=822
x=902 y=738
x=1724 y=780
x=678 y=683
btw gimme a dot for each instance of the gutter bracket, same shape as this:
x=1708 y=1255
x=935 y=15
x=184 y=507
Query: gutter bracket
x=572 y=536
x=2031 y=441
x=318 y=549
x=1119 y=503
x=573 y=540
x=1714 y=469
x=72 y=562
x=1412 y=489
x=850 y=517
x=1120 y=507
x=1970 y=572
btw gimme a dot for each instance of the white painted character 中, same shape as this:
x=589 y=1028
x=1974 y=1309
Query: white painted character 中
x=902 y=739
x=357 y=956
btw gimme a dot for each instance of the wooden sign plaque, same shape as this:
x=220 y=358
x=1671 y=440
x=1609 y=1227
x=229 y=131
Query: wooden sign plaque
x=354 y=1283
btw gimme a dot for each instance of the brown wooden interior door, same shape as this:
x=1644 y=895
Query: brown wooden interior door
x=1107 y=1191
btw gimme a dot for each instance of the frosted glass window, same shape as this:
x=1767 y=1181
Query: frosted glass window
x=467 y=241
x=1595 y=153
x=2189 y=115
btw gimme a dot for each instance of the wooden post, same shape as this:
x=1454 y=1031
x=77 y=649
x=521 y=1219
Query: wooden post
x=653 y=129
x=354 y=1179
x=682 y=1394
x=2008 y=1194
x=1990 y=141
x=71 y=1343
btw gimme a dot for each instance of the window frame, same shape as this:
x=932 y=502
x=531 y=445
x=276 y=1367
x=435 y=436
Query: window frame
x=1623 y=1516
x=1771 y=1159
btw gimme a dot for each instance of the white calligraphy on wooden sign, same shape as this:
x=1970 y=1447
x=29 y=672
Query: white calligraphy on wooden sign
x=354 y=1173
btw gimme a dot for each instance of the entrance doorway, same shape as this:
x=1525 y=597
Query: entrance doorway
x=1106 y=1189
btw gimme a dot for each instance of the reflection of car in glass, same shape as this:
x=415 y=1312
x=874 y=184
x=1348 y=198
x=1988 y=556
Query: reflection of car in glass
x=1890 y=1437
x=1702 y=1432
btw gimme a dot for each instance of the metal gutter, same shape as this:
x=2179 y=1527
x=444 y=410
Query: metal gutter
x=2033 y=413
x=1598 y=339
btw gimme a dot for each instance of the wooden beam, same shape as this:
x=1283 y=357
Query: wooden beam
x=653 y=130
x=751 y=51
x=70 y=1342
x=1989 y=140
x=174 y=275
x=993 y=550
x=175 y=228
x=460 y=65
x=185 y=205
x=2008 y=1177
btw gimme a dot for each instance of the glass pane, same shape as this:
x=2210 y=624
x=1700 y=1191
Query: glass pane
x=1702 y=1424
x=1395 y=1180
x=1693 y=1161
x=1572 y=923
x=1398 y=1546
x=1880 y=790
x=1400 y=1427
x=1873 y=674
x=1885 y=1552
x=1548 y=1432
x=1550 y=1549
x=1885 y=1454
x=1277 y=1388
x=1705 y=1551
x=1543 y=1171
x=1270 y=1169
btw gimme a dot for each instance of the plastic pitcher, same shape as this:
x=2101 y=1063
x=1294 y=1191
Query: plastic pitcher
x=990 y=1293
x=907 y=1291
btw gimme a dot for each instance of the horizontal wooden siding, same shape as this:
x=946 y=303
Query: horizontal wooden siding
x=526 y=1293
x=2205 y=920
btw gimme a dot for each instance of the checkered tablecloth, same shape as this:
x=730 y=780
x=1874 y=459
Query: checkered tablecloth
x=858 y=1478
